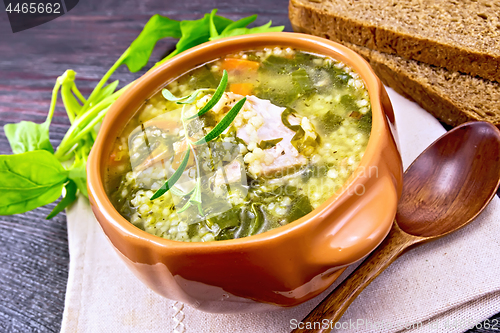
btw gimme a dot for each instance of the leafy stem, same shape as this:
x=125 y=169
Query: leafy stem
x=104 y=79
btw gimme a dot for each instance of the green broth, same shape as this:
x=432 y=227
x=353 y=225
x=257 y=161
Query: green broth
x=300 y=135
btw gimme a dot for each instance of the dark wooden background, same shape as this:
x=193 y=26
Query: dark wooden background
x=33 y=251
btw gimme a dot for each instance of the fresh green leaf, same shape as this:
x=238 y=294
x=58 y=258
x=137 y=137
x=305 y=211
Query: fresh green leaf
x=158 y=27
x=139 y=52
x=213 y=29
x=174 y=178
x=245 y=31
x=197 y=32
x=68 y=199
x=29 y=180
x=28 y=136
x=78 y=174
x=242 y=23
x=224 y=123
x=215 y=97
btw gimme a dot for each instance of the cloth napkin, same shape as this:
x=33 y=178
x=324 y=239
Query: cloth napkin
x=448 y=285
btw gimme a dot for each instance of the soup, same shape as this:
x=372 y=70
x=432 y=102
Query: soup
x=240 y=145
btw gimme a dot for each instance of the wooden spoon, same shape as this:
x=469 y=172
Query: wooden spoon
x=445 y=188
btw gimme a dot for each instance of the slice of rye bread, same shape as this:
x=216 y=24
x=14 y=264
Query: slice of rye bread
x=460 y=35
x=452 y=97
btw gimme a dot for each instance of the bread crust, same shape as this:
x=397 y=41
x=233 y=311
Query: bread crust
x=322 y=22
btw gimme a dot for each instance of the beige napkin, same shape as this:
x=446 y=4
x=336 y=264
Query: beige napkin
x=448 y=286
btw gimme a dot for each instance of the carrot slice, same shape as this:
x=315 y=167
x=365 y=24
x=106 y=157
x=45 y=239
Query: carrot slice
x=241 y=88
x=231 y=64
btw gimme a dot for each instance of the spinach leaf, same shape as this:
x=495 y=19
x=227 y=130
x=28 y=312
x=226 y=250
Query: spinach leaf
x=258 y=219
x=330 y=122
x=68 y=199
x=197 y=32
x=29 y=180
x=301 y=206
x=252 y=220
x=244 y=31
x=267 y=144
x=365 y=122
x=158 y=27
x=28 y=136
x=286 y=122
x=237 y=24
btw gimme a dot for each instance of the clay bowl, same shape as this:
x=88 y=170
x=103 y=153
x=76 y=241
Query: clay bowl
x=282 y=267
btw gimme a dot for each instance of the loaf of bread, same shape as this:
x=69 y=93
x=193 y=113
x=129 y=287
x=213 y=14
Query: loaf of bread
x=460 y=35
x=450 y=95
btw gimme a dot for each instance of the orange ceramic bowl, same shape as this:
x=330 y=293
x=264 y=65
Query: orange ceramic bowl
x=282 y=267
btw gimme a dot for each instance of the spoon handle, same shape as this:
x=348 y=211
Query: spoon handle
x=336 y=303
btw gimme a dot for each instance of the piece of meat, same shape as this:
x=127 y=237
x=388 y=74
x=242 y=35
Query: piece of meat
x=284 y=156
x=230 y=174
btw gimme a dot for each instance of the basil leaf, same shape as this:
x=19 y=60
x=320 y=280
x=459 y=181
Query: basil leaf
x=29 y=180
x=78 y=174
x=215 y=97
x=158 y=27
x=224 y=123
x=28 y=136
x=68 y=199
x=174 y=178
x=244 y=31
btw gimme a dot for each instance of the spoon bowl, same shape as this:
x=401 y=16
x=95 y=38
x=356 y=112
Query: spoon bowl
x=444 y=189
x=451 y=182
